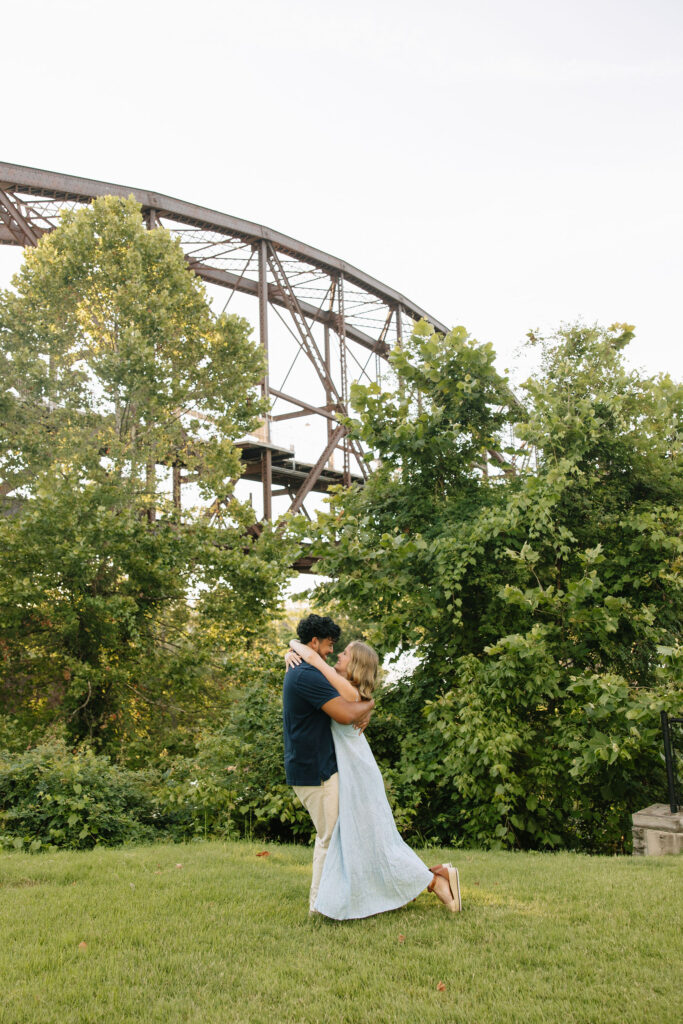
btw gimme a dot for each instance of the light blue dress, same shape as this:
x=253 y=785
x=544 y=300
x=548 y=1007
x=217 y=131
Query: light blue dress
x=368 y=868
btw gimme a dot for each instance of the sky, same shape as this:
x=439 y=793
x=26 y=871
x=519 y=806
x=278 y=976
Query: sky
x=506 y=165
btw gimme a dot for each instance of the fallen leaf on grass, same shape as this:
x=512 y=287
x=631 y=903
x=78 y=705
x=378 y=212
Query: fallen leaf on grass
x=83 y=945
x=441 y=987
x=263 y=853
x=401 y=939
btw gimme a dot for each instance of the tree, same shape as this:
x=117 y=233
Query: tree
x=545 y=604
x=126 y=573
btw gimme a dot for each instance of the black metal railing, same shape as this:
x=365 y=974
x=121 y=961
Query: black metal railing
x=671 y=757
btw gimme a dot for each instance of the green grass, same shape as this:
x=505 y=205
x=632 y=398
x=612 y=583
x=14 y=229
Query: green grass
x=226 y=938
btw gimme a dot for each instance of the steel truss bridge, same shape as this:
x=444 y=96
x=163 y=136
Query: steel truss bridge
x=306 y=303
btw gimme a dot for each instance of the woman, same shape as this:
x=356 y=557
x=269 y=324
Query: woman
x=368 y=868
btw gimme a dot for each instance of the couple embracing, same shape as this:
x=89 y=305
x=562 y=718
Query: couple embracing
x=361 y=866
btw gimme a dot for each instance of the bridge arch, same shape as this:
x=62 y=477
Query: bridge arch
x=341 y=320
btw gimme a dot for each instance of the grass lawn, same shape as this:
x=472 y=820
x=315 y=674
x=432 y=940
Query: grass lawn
x=212 y=933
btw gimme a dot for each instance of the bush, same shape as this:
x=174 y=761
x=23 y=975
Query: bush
x=53 y=797
x=18 y=733
x=234 y=784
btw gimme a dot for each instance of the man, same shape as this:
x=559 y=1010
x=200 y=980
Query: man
x=308 y=704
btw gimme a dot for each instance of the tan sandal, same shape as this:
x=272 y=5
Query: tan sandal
x=451 y=874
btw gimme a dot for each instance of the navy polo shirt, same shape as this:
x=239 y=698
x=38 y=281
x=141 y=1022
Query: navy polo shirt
x=309 y=748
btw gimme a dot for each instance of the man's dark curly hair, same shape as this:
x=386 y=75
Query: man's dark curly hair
x=321 y=626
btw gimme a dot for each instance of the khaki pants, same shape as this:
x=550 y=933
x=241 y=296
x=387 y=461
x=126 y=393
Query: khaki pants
x=322 y=803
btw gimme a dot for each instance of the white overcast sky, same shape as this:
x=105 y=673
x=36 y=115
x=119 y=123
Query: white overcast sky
x=506 y=165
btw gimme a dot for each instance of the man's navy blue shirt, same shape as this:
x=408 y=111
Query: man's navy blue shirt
x=309 y=748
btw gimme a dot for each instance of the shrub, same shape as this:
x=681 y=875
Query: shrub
x=234 y=784
x=53 y=797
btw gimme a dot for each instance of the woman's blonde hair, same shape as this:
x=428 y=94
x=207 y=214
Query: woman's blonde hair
x=362 y=667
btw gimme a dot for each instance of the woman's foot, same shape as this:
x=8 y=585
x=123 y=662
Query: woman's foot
x=446 y=885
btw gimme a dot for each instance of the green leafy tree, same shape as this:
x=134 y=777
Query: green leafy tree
x=545 y=604
x=126 y=573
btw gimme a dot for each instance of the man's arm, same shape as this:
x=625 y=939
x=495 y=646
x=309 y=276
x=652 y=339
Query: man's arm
x=363 y=723
x=345 y=712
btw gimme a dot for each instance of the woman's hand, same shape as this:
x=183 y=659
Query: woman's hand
x=302 y=651
x=292 y=659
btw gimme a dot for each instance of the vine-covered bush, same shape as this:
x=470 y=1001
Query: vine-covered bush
x=544 y=600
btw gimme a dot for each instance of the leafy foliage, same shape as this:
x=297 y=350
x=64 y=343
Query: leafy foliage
x=122 y=607
x=529 y=551
x=545 y=604
x=51 y=797
x=233 y=783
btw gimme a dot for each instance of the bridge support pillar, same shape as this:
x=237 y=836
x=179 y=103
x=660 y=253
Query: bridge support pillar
x=266 y=462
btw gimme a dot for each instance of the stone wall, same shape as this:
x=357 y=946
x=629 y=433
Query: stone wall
x=657 y=831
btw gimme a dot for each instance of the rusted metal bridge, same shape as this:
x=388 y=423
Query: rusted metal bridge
x=306 y=303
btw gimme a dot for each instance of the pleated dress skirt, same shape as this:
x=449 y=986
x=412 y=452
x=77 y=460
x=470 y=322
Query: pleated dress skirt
x=368 y=869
